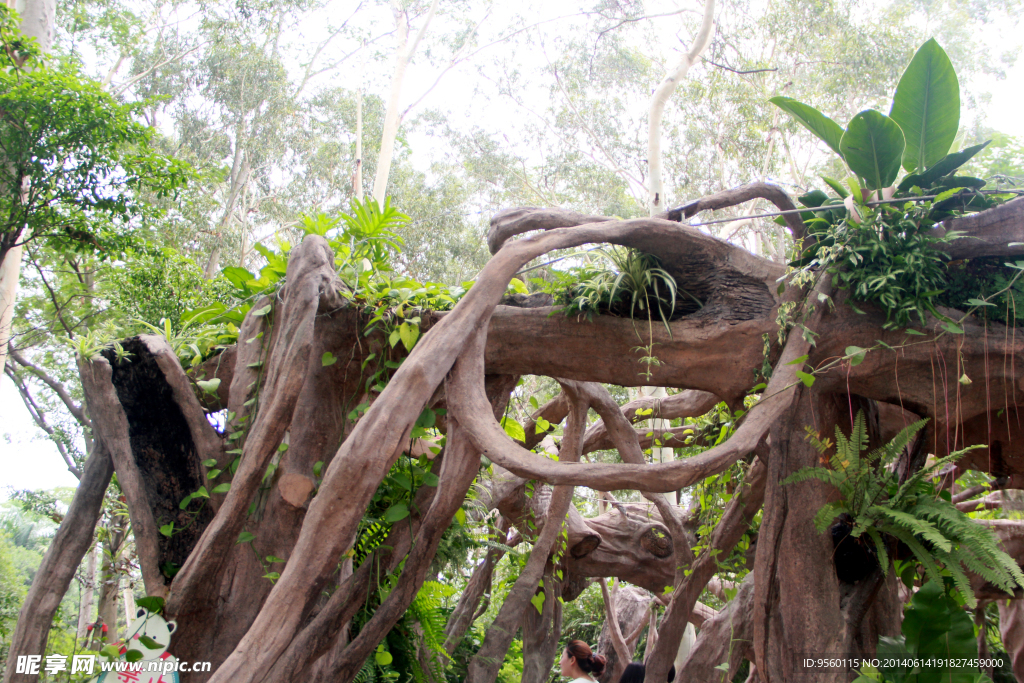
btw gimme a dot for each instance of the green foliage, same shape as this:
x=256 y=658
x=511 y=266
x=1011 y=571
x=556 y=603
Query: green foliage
x=873 y=147
x=936 y=628
x=926 y=106
x=632 y=282
x=888 y=255
x=985 y=278
x=890 y=258
x=416 y=642
x=914 y=513
x=77 y=166
x=917 y=134
x=155 y=285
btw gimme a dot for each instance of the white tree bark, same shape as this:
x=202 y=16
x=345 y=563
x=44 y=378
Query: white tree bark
x=85 y=606
x=10 y=269
x=38 y=18
x=403 y=53
x=656 y=189
x=37 y=21
x=357 y=176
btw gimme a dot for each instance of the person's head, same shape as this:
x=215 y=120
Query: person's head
x=579 y=661
x=635 y=671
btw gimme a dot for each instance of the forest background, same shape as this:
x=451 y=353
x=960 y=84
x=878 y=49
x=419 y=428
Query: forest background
x=536 y=104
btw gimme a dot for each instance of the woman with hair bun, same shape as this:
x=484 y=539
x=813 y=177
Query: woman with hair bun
x=580 y=663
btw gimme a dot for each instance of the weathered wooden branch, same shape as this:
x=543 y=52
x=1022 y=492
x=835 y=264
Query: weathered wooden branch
x=485 y=664
x=73 y=539
x=738 y=195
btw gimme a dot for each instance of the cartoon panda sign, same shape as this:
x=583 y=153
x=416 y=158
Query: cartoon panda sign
x=149 y=635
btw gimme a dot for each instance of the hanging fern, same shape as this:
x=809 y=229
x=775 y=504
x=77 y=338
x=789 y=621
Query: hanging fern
x=914 y=513
x=427 y=611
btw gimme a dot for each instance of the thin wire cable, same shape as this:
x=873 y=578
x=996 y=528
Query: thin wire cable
x=830 y=207
x=772 y=215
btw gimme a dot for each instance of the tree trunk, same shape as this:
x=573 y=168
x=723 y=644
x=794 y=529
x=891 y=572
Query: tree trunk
x=61 y=561
x=656 y=188
x=631 y=606
x=796 y=601
x=542 y=631
x=404 y=51
x=38 y=17
x=86 y=604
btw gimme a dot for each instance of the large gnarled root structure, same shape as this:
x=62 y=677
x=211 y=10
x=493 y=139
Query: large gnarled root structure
x=276 y=390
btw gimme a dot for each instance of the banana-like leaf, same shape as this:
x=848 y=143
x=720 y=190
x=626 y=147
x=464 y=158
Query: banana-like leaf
x=825 y=128
x=927 y=107
x=944 y=167
x=873 y=147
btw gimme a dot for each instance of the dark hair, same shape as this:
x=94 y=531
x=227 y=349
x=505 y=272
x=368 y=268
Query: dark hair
x=635 y=671
x=588 y=662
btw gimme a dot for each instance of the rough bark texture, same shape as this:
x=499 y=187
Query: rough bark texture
x=59 y=564
x=796 y=603
x=279 y=392
x=542 y=631
x=630 y=610
x=725 y=638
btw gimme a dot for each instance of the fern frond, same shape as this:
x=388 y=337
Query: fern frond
x=823 y=474
x=883 y=555
x=924 y=473
x=826 y=514
x=894 y=448
x=922 y=555
x=963 y=584
x=916 y=526
x=367 y=674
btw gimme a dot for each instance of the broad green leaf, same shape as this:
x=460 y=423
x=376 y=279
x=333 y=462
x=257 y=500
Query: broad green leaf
x=259 y=312
x=150 y=643
x=209 y=385
x=942 y=168
x=518 y=286
x=396 y=512
x=133 y=655
x=837 y=186
x=806 y=378
x=245 y=537
x=167 y=529
x=873 y=147
x=274 y=558
x=541 y=426
x=151 y=604
x=409 y=333
x=856 y=354
x=825 y=128
x=927 y=107
x=460 y=516
x=383 y=657
x=538 y=601
x=223 y=488
x=513 y=429
x=327 y=359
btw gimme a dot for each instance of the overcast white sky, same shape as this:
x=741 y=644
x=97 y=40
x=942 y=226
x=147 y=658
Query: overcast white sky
x=27 y=460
